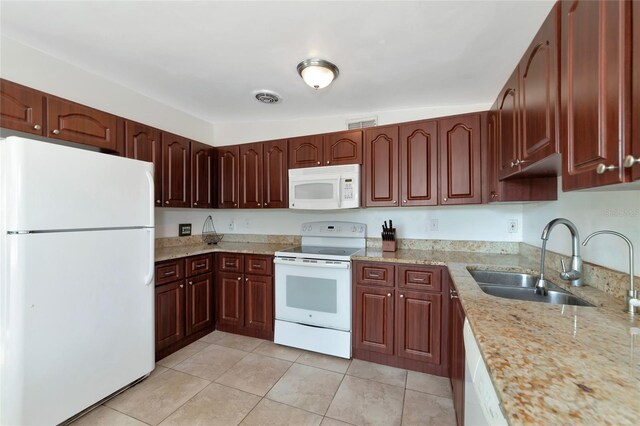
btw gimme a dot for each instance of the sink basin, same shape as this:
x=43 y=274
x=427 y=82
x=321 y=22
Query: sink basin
x=520 y=286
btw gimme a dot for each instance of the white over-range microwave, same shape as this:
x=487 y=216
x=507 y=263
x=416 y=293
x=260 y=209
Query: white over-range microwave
x=325 y=188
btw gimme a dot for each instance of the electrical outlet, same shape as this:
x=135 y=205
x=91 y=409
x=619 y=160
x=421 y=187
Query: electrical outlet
x=232 y=225
x=512 y=226
x=433 y=225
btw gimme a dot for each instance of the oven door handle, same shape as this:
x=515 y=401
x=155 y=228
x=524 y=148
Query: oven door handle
x=313 y=264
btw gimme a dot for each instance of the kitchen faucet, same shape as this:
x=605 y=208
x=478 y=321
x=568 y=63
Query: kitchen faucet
x=574 y=275
x=632 y=295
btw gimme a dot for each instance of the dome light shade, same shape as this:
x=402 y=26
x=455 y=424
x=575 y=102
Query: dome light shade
x=317 y=73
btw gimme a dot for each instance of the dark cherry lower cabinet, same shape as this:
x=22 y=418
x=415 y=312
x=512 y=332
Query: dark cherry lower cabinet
x=457 y=360
x=184 y=302
x=245 y=294
x=398 y=316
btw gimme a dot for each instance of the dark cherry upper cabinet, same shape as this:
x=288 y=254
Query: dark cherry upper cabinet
x=457 y=359
x=176 y=171
x=508 y=128
x=199 y=310
x=251 y=171
x=460 y=161
x=418 y=325
x=343 y=148
x=635 y=93
x=275 y=176
x=73 y=122
x=381 y=167
x=258 y=302
x=228 y=176
x=21 y=108
x=419 y=163
x=593 y=91
x=145 y=143
x=203 y=175
x=230 y=298
x=169 y=314
x=539 y=97
x=374 y=319
x=305 y=151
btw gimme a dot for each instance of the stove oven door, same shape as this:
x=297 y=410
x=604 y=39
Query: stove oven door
x=314 y=292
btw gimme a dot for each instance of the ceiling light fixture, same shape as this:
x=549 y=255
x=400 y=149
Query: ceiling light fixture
x=317 y=73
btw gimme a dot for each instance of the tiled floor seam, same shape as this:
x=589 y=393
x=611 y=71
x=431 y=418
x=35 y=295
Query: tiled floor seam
x=198 y=393
x=204 y=378
x=124 y=414
x=404 y=397
x=334 y=397
x=325 y=369
x=431 y=394
x=338 y=420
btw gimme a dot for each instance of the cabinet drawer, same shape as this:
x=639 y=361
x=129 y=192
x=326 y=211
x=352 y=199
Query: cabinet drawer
x=374 y=273
x=429 y=279
x=259 y=265
x=199 y=265
x=170 y=270
x=229 y=262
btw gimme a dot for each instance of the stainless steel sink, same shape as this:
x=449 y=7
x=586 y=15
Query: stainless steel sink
x=520 y=286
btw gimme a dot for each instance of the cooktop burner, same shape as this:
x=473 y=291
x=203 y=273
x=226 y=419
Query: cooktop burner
x=345 y=252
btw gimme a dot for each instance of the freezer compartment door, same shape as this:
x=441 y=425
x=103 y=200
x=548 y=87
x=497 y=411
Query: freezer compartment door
x=77 y=321
x=49 y=187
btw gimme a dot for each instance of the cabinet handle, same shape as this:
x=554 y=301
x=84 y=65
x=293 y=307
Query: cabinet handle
x=388 y=294
x=229 y=264
x=167 y=274
x=513 y=163
x=493 y=195
x=602 y=168
x=200 y=265
x=239 y=278
x=55 y=131
x=318 y=163
x=374 y=276
x=395 y=202
x=166 y=202
x=195 y=204
x=453 y=294
x=37 y=127
x=629 y=161
x=420 y=280
x=402 y=296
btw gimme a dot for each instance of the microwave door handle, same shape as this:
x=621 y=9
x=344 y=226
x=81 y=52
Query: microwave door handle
x=339 y=192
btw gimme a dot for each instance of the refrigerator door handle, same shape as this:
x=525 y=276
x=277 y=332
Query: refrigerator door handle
x=152 y=196
x=148 y=279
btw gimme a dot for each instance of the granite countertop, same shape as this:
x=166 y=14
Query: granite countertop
x=550 y=364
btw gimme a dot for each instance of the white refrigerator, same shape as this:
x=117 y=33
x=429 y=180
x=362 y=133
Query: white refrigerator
x=76 y=278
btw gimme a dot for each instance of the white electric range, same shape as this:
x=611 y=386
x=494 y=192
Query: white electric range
x=313 y=288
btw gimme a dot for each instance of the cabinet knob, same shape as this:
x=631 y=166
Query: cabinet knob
x=404 y=201
x=246 y=278
x=37 y=127
x=388 y=294
x=445 y=199
x=513 y=163
x=235 y=204
x=158 y=202
x=181 y=285
x=166 y=202
x=395 y=202
x=328 y=161
x=453 y=293
x=318 y=163
x=493 y=194
x=55 y=131
x=190 y=282
x=402 y=296
x=195 y=204
x=239 y=278
x=629 y=161
x=266 y=204
x=258 y=204
x=602 y=168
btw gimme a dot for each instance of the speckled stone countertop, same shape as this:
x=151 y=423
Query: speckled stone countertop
x=167 y=253
x=550 y=364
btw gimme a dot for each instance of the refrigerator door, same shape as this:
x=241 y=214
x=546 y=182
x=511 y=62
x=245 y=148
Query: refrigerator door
x=77 y=321
x=53 y=187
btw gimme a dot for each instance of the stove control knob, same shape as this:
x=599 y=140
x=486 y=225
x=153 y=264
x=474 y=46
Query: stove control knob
x=354 y=229
x=362 y=229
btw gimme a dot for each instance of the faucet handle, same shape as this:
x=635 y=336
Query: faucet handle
x=564 y=266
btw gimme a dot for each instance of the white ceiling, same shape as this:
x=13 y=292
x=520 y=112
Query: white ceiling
x=208 y=57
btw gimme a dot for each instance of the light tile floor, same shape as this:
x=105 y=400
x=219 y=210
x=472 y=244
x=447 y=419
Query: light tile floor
x=226 y=379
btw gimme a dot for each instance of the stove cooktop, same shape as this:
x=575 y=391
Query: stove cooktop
x=320 y=252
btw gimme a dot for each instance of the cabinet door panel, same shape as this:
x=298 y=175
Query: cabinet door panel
x=258 y=265
x=169 y=314
x=229 y=299
x=381 y=167
x=276 y=182
x=21 y=108
x=460 y=161
x=203 y=177
x=374 y=319
x=258 y=302
x=508 y=128
x=176 y=171
x=197 y=265
x=228 y=176
x=230 y=262
x=418 y=326
x=412 y=277
x=169 y=270
x=199 y=303
x=343 y=148
x=250 y=176
x=419 y=163
x=539 y=93
x=305 y=151
x=145 y=143
x=374 y=273
x=592 y=79
x=73 y=122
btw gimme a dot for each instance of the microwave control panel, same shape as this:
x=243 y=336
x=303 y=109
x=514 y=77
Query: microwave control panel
x=347 y=189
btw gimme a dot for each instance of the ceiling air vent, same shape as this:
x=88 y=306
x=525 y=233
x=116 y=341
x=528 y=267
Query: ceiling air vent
x=361 y=123
x=267 y=97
